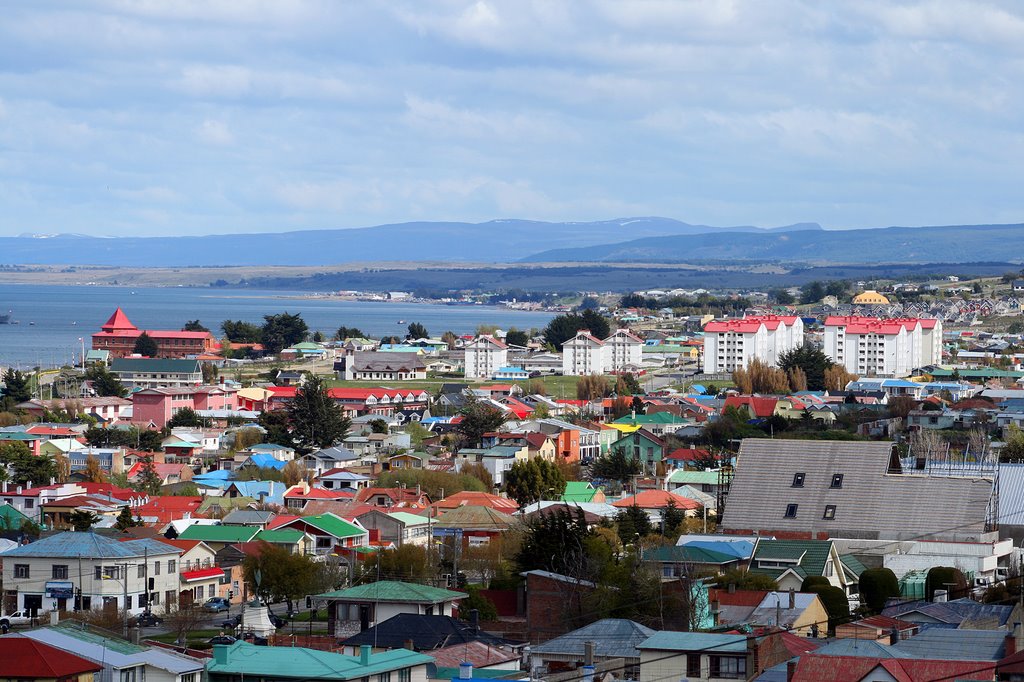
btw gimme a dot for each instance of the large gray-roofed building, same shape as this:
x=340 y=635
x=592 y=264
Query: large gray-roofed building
x=849 y=489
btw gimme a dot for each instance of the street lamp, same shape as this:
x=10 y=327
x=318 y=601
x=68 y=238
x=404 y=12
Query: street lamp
x=124 y=583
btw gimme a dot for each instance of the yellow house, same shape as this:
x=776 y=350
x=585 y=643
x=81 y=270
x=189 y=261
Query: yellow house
x=870 y=297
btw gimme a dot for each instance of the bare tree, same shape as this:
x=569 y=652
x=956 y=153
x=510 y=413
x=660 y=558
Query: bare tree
x=183 y=618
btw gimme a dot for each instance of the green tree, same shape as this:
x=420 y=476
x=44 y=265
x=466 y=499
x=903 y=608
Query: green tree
x=315 y=420
x=837 y=606
x=93 y=473
x=283 y=576
x=17 y=388
x=781 y=296
x=945 y=578
x=672 y=519
x=432 y=483
x=478 y=418
x=451 y=339
x=1013 y=445
x=476 y=601
x=515 y=337
x=378 y=426
x=811 y=360
x=877 y=586
x=407 y=563
x=281 y=331
x=209 y=372
x=745 y=580
x=149 y=480
x=194 y=326
x=348 y=333
x=146 y=346
x=139 y=439
x=24 y=466
x=532 y=480
x=563 y=327
x=632 y=384
x=186 y=416
x=125 y=520
x=417 y=331
x=616 y=466
x=238 y=331
x=82 y=519
x=812 y=292
x=554 y=541
x=318 y=337
x=277 y=427
x=632 y=521
x=104 y=382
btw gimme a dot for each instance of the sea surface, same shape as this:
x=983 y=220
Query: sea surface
x=53 y=319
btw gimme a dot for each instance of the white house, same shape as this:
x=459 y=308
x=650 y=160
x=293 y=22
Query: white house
x=623 y=350
x=586 y=354
x=732 y=344
x=100 y=571
x=485 y=355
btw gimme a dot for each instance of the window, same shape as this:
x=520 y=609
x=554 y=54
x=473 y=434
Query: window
x=156 y=568
x=29 y=503
x=99 y=573
x=791 y=511
x=156 y=597
x=693 y=665
x=21 y=570
x=60 y=572
x=405 y=675
x=128 y=603
x=384 y=677
x=189 y=677
x=199 y=592
x=170 y=566
x=837 y=481
x=828 y=569
x=798 y=480
x=729 y=667
x=830 y=512
x=141 y=571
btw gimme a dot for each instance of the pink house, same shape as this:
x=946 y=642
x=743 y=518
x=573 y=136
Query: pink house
x=216 y=398
x=158 y=405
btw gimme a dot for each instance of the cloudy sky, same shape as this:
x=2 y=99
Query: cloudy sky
x=202 y=116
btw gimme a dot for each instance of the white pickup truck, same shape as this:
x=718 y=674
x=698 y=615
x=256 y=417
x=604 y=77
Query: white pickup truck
x=16 y=618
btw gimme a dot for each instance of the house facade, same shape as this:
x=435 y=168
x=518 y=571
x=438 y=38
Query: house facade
x=485 y=355
x=118 y=336
x=871 y=346
x=732 y=344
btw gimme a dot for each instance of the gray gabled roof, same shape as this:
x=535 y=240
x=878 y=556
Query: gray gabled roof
x=115 y=653
x=90 y=545
x=247 y=517
x=944 y=644
x=871 y=502
x=612 y=638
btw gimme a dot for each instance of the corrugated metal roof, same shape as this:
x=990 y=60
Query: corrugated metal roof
x=395 y=591
x=955 y=645
x=1011 y=494
x=696 y=641
x=112 y=652
x=90 y=545
x=612 y=638
x=298 y=662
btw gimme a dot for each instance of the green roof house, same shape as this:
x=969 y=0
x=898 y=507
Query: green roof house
x=582 y=491
x=788 y=562
x=241 y=660
x=217 y=537
x=357 y=608
x=330 y=532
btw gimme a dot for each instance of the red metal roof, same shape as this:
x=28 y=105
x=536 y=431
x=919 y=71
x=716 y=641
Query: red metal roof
x=202 y=574
x=760 y=406
x=118 y=322
x=27 y=659
x=656 y=499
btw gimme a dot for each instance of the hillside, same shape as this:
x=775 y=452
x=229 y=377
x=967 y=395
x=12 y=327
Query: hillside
x=496 y=241
x=954 y=243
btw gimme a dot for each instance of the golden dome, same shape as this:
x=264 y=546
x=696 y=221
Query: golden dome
x=870 y=297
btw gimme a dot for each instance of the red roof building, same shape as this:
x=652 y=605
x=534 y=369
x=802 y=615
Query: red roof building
x=656 y=499
x=27 y=659
x=118 y=335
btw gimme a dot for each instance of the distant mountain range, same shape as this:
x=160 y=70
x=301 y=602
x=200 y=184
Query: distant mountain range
x=496 y=241
x=644 y=239
x=950 y=244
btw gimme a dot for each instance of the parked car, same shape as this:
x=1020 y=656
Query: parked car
x=16 y=618
x=146 y=620
x=217 y=604
x=222 y=639
x=232 y=622
x=276 y=620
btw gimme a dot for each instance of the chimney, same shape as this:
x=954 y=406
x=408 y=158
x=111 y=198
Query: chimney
x=364 y=654
x=792 y=599
x=19 y=490
x=894 y=635
x=465 y=670
x=474 y=621
x=790 y=671
x=28 y=485
x=752 y=667
x=716 y=608
x=410 y=645
x=588 y=655
x=53 y=481
x=220 y=654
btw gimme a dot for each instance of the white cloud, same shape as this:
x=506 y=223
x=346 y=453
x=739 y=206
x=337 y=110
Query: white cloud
x=215 y=132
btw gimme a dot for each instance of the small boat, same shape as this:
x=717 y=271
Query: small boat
x=400 y=322
x=31 y=324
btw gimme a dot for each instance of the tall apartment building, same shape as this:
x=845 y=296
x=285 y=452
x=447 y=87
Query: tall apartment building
x=586 y=354
x=485 y=355
x=870 y=346
x=732 y=344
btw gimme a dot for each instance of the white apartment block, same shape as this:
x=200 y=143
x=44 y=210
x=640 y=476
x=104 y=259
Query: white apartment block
x=587 y=354
x=485 y=355
x=732 y=344
x=870 y=346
